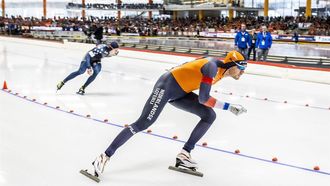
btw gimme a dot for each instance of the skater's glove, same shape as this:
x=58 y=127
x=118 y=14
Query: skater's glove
x=90 y=71
x=113 y=52
x=237 y=109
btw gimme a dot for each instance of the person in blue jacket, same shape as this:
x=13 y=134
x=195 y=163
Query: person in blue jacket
x=243 y=41
x=263 y=43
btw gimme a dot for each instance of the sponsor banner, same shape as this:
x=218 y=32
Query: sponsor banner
x=44 y=28
x=44 y=33
x=290 y=38
x=129 y=34
x=227 y=35
x=280 y=37
x=322 y=39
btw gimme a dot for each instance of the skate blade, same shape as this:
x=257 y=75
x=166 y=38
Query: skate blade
x=80 y=93
x=87 y=174
x=187 y=171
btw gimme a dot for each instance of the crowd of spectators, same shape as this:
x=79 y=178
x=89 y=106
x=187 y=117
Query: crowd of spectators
x=113 y=6
x=143 y=26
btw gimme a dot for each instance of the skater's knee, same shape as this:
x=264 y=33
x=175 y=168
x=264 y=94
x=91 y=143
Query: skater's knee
x=141 y=127
x=209 y=116
x=138 y=127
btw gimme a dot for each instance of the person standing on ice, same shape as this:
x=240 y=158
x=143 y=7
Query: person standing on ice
x=243 y=41
x=176 y=87
x=92 y=63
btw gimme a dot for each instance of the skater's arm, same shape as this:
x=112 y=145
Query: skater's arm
x=209 y=71
x=88 y=61
x=105 y=51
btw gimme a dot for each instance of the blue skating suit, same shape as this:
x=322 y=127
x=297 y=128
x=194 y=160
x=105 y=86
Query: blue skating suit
x=91 y=60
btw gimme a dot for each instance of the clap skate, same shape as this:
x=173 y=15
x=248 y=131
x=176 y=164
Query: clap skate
x=97 y=169
x=185 y=164
x=59 y=85
x=81 y=91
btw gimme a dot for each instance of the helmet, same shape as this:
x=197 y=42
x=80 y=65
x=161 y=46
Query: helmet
x=234 y=58
x=113 y=45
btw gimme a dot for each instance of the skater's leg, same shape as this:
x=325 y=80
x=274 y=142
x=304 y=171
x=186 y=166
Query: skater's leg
x=149 y=115
x=81 y=70
x=151 y=111
x=96 y=70
x=191 y=104
x=165 y=89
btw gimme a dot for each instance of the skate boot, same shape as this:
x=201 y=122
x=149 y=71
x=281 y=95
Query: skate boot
x=185 y=164
x=81 y=90
x=183 y=159
x=60 y=85
x=98 y=167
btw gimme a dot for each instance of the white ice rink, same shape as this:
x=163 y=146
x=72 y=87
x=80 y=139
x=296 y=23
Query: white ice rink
x=41 y=145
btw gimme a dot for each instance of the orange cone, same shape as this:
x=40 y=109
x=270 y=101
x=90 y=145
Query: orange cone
x=4 y=85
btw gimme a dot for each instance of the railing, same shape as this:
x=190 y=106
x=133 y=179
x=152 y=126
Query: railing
x=291 y=60
x=321 y=62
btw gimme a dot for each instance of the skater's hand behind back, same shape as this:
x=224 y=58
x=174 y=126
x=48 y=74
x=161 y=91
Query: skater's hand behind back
x=90 y=71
